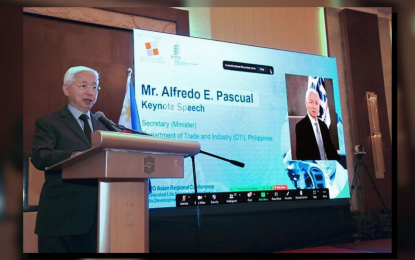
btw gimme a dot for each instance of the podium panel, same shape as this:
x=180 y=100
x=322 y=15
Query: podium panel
x=123 y=216
x=122 y=163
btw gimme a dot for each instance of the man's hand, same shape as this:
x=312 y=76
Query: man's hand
x=75 y=154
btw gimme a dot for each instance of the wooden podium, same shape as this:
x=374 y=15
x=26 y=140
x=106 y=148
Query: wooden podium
x=122 y=163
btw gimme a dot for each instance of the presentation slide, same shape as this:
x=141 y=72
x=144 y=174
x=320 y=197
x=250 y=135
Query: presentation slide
x=242 y=103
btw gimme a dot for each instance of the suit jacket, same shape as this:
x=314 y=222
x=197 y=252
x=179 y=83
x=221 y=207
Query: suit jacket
x=306 y=143
x=66 y=207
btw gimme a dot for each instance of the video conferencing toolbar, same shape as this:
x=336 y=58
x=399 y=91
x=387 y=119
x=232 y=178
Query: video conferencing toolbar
x=184 y=200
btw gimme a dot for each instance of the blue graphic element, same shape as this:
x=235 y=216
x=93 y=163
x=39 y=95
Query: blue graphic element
x=135 y=119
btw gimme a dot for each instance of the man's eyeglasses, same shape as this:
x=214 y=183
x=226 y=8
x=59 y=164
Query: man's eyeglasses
x=92 y=87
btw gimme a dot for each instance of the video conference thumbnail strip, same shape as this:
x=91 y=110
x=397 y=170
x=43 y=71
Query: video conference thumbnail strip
x=185 y=200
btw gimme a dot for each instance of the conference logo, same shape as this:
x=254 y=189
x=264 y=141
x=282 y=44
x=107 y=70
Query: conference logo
x=176 y=49
x=152 y=49
x=176 y=52
x=149 y=164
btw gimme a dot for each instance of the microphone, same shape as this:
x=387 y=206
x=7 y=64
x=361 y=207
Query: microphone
x=239 y=164
x=107 y=122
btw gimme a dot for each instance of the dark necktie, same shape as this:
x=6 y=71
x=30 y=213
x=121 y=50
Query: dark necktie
x=87 y=128
x=320 y=143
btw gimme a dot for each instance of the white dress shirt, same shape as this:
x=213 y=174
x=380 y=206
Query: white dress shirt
x=76 y=113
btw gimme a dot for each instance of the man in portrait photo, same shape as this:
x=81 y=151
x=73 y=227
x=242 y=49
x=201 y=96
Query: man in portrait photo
x=313 y=140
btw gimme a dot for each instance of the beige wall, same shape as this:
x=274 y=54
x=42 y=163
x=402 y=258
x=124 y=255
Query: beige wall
x=270 y=27
x=199 y=21
x=286 y=28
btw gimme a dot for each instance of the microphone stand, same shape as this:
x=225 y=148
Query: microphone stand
x=121 y=127
x=197 y=204
x=236 y=163
x=239 y=164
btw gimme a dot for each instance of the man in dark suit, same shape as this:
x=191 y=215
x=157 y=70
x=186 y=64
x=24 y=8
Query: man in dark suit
x=67 y=212
x=313 y=140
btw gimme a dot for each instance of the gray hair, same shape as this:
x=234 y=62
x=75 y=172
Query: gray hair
x=70 y=74
x=310 y=90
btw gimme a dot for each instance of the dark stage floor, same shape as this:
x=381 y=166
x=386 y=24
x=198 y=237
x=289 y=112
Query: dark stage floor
x=371 y=246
